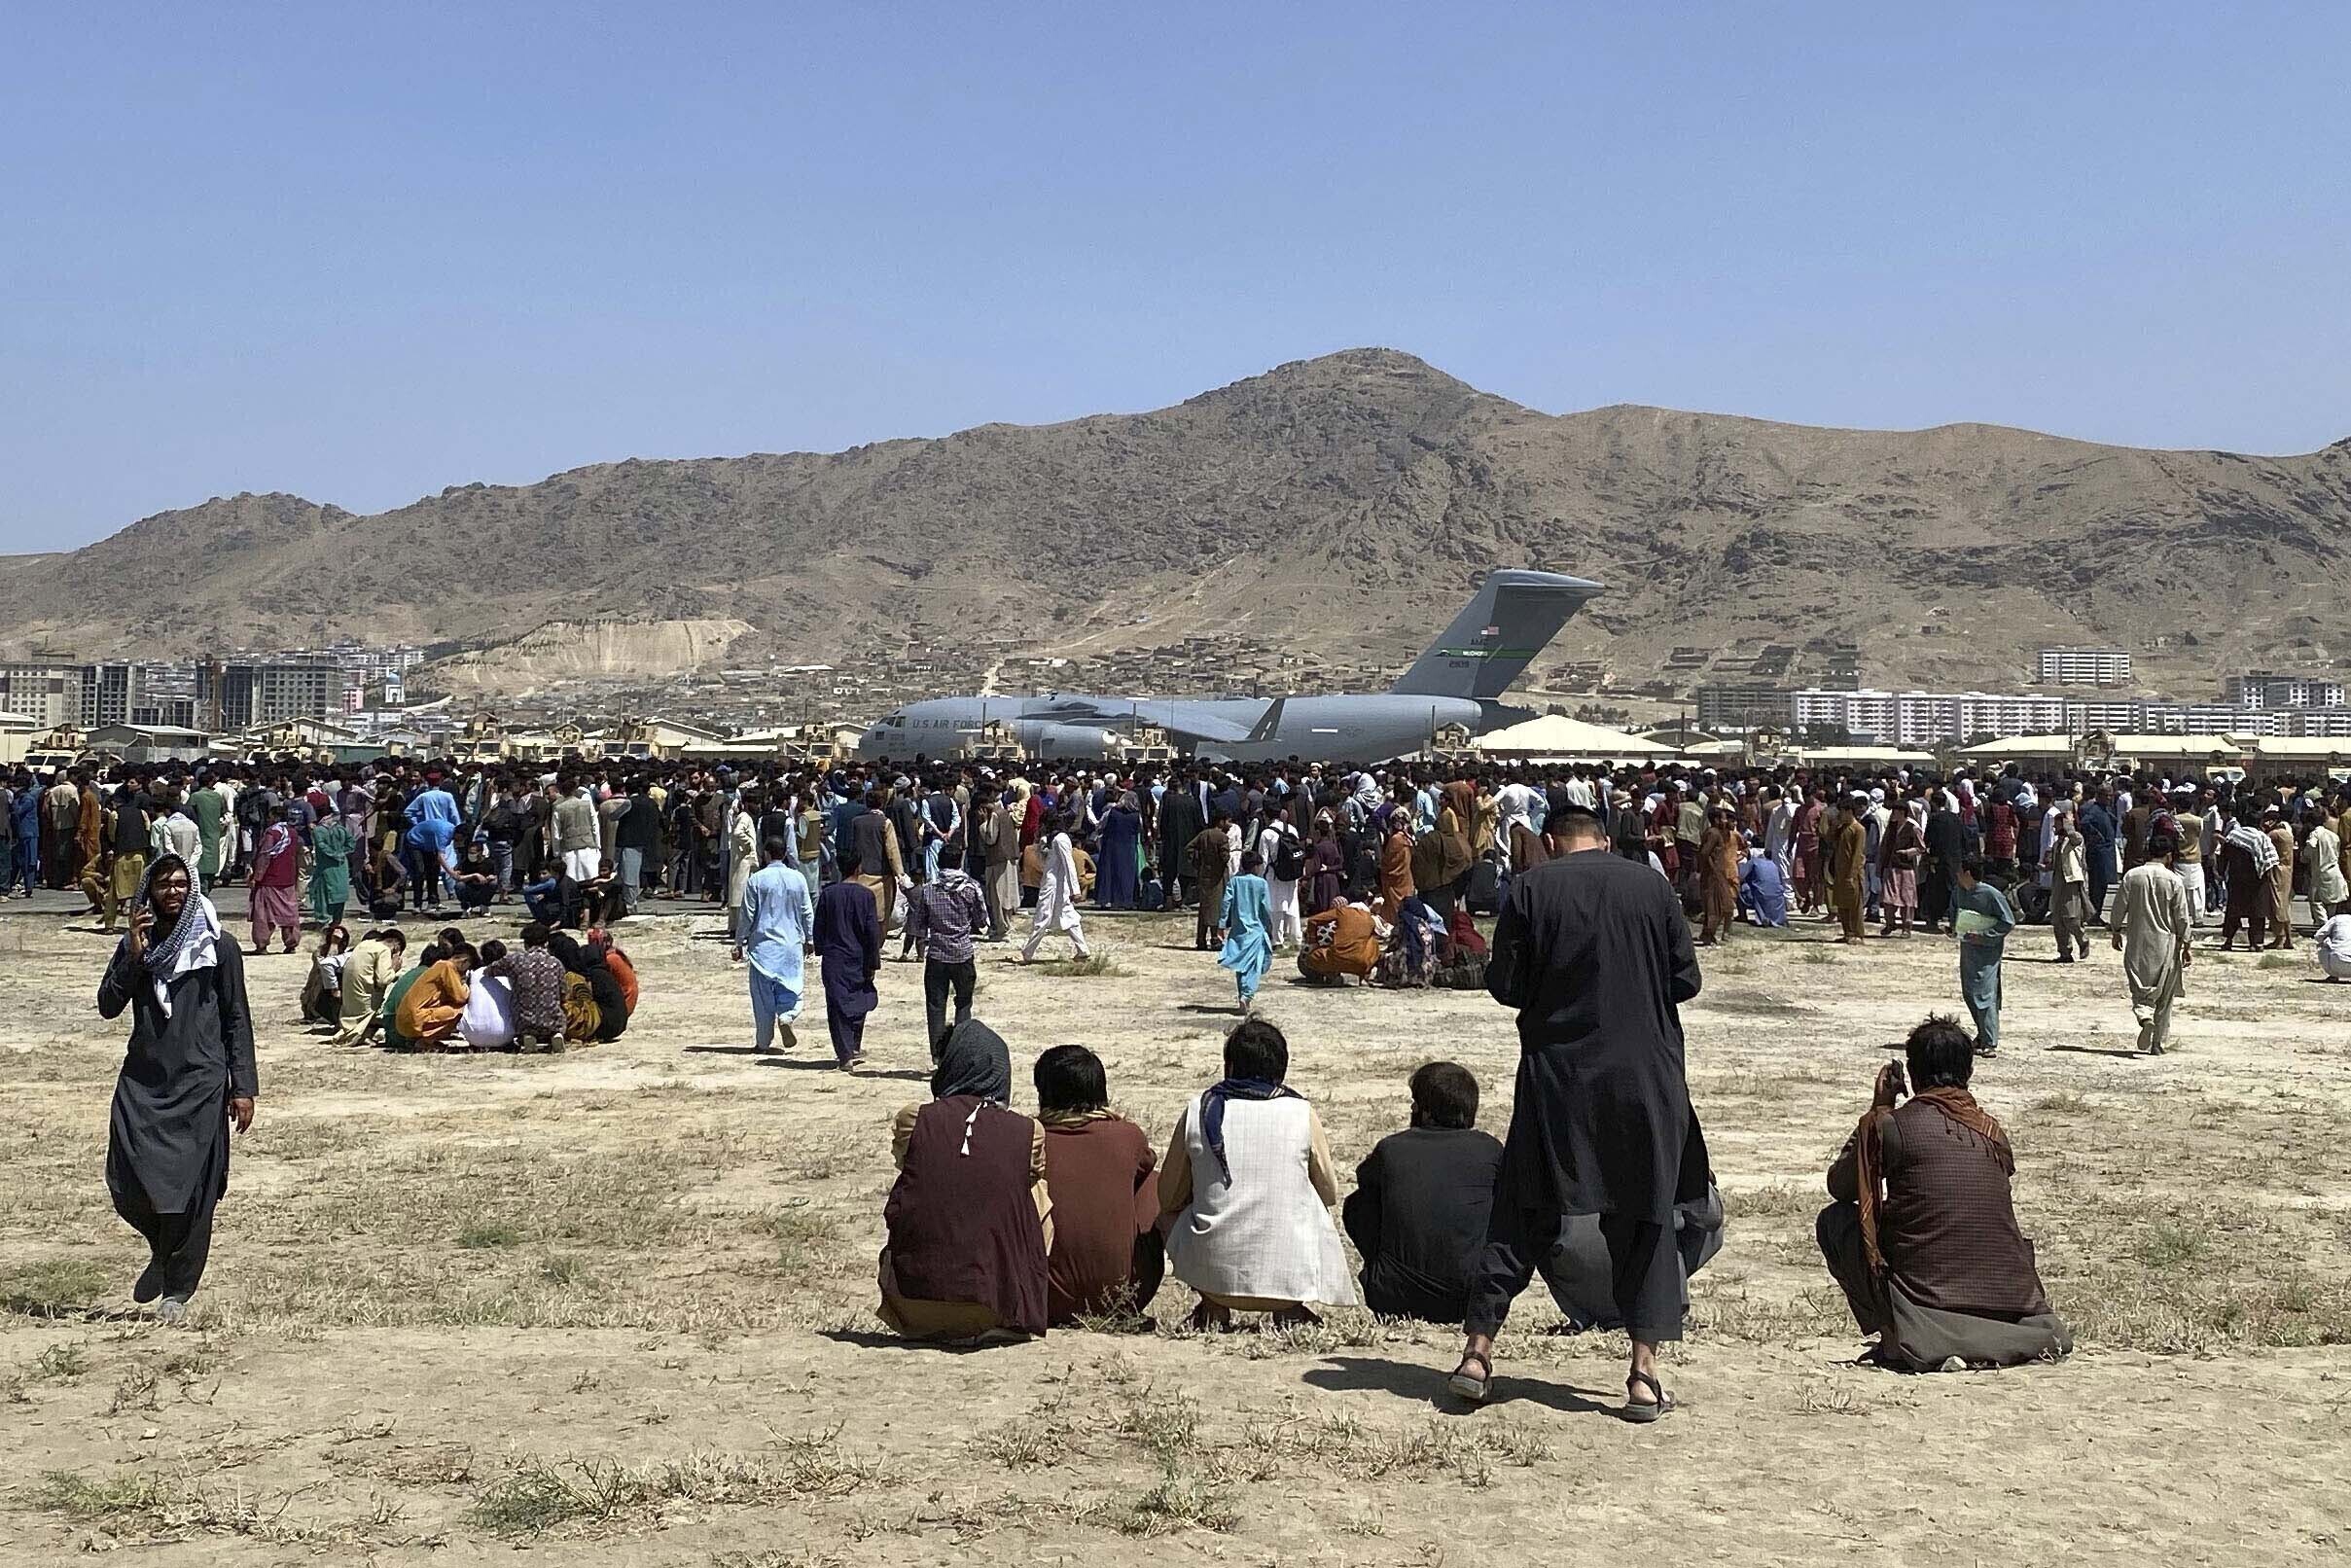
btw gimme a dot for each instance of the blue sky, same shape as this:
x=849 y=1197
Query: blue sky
x=359 y=253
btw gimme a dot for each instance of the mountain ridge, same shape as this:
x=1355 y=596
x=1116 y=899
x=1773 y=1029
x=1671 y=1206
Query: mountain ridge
x=1342 y=499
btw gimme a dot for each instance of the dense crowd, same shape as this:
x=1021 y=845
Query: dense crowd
x=1603 y=882
x=1405 y=849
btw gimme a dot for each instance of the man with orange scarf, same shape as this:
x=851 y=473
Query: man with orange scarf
x=1923 y=1235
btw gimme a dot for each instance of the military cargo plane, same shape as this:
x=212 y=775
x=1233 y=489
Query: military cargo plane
x=1454 y=685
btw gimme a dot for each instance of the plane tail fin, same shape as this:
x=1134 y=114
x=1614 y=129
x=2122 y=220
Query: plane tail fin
x=1491 y=642
x=1269 y=723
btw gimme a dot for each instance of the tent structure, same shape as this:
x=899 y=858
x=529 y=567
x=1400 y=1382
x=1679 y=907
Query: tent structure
x=1557 y=735
x=1863 y=757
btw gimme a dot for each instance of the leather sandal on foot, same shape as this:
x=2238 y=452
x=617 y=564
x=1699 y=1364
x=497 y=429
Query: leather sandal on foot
x=1473 y=1389
x=1643 y=1414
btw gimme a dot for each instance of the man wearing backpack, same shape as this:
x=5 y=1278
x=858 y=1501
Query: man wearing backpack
x=1284 y=853
x=257 y=806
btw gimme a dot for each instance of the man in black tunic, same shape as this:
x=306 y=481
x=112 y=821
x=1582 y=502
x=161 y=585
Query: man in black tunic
x=187 y=1077
x=1594 y=952
x=1181 y=820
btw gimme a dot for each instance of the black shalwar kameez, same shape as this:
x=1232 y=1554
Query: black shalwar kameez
x=1594 y=952
x=168 y=1142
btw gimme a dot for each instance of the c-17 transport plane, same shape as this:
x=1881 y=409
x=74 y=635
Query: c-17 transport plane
x=1453 y=684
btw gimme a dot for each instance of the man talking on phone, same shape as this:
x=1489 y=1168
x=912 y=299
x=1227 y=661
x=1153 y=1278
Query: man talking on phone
x=187 y=1077
x=1923 y=1233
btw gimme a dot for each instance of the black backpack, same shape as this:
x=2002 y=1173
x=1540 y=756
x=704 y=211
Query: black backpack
x=1288 y=858
x=1485 y=894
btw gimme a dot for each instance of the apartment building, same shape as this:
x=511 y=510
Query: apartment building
x=2264 y=690
x=2082 y=666
x=48 y=691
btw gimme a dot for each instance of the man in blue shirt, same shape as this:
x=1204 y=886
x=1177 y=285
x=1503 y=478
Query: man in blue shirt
x=1762 y=889
x=432 y=816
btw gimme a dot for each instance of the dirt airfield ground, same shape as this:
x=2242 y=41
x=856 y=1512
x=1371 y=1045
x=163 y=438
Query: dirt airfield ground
x=617 y=1304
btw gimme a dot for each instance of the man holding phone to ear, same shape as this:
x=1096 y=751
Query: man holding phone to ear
x=187 y=1079
x=1923 y=1235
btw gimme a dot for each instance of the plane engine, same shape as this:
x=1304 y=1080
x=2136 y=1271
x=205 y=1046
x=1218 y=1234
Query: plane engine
x=1090 y=742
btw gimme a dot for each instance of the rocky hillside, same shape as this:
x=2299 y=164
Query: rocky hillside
x=1347 y=500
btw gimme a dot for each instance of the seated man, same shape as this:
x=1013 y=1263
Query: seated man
x=1923 y=1233
x=476 y=880
x=544 y=899
x=1421 y=1201
x=2334 y=939
x=969 y=1224
x=397 y=994
x=434 y=1005
x=1107 y=1256
x=367 y=974
x=598 y=902
x=1762 y=889
x=1246 y=1189
x=1343 y=940
x=537 y=977
x=385 y=882
x=322 y=993
x=488 y=1023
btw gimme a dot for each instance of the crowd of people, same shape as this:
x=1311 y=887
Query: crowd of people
x=1003 y=1226
x=1371 y=876
x=1603 y=884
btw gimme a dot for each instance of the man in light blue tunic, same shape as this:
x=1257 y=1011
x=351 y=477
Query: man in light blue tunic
x=778 y=921
x=1983 y=921
x=1247 y=912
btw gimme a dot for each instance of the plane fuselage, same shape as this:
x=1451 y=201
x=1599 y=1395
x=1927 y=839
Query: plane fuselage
x=1067 y=724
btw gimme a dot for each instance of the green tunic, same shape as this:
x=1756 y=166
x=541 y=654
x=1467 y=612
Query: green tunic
x=331 y=847
x=1980 y=955
x=390 y=1015
x=211 y=821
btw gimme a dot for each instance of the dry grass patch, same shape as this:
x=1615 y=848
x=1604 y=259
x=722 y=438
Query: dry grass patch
x=172 y=1507
x=1094 y=965
x=537 y=1495
x=53 y=1287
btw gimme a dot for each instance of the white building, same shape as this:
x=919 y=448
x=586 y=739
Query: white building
x=45 y=691
x=1924 y=719
x=2332 y=723
x=2083 y=666
x=2207 y=719
x=2263 y=689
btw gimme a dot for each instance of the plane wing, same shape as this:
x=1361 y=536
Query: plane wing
x=1191 y=721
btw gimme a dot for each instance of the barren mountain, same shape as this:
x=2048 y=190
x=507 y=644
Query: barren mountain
x=1345 y=502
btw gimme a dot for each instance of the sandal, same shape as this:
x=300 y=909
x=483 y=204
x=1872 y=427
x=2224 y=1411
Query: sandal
x=1473 y=1389
x=1643 y=1414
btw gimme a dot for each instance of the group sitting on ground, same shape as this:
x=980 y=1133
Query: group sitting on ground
x=554 y=989
x=1001 y=1227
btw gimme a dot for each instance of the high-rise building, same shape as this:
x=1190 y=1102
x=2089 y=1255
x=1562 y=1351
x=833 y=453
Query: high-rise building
x=241 y=693
x=48 y=690
x=2082 y=666
x=1736 y=709
x=108 y=693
